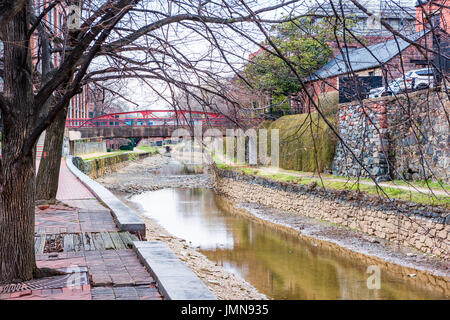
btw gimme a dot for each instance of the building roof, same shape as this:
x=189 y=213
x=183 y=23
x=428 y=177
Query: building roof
x=364 y=58
x=382 y=8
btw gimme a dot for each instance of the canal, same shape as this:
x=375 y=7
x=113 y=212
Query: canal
x=277 y=263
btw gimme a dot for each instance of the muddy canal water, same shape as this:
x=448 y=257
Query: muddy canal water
x=277 y=263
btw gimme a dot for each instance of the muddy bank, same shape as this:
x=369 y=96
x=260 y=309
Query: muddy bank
x=143 y=175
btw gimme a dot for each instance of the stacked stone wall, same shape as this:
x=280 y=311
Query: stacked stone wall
x=402 y=137
x=423 y=227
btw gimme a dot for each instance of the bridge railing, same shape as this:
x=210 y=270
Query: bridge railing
x=142 y=122
x=147 y=122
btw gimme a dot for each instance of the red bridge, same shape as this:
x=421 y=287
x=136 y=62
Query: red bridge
x=146 y=123
x=150 y=118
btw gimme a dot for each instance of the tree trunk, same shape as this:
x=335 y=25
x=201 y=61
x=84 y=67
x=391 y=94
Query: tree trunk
x=49 y=166
x=17 y=260
x=48 y=173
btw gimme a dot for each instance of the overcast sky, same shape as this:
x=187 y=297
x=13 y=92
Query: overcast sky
x=194 y=46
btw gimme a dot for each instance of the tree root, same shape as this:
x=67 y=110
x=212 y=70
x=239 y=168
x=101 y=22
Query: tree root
x=47 y=202
x=52 y=202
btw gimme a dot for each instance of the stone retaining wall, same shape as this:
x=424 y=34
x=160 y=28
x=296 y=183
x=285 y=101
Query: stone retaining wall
x=98 y=167
x=395 y=137
x=423 y=227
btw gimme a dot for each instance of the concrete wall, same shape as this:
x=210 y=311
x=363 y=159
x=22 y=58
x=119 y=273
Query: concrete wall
x=391 y=136
x=89 y=147
x=422 y=227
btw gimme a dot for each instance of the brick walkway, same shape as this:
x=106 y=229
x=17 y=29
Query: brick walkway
x=83 y=240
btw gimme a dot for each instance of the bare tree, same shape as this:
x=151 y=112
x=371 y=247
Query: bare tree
x=155 y=42
x=107 y=31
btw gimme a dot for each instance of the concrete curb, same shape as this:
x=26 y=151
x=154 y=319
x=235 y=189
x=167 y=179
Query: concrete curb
x=126 y=218
x=175 y=280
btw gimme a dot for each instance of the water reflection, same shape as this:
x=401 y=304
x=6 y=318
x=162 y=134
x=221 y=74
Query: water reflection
x=172 y=168
x=190 y=214
x=275 y=262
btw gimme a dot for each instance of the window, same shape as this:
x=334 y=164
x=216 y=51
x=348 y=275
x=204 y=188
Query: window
x=425 y=72
x=419 y=62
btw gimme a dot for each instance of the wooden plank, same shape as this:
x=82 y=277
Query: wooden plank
x=87 y=242
x=117 y=240
x=125 y=236
x=107 y=241
x=68 y=242
x=98 y=241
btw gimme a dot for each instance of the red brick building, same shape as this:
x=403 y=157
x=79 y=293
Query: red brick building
x=433 y=13
x=54 y=20
x=390 y=58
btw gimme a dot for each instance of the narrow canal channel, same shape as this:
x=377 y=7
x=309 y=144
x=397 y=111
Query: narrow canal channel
x=278 y=264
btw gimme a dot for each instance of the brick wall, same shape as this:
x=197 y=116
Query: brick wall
x=440 y=7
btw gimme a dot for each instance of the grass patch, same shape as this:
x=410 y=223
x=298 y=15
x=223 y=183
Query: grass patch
x=109 y=154
x=418 y=184
x=393 y=193
x=424 y=184
x=153 y=150
x=148 y=149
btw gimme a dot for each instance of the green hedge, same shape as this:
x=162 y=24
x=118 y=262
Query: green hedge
x=298 y=136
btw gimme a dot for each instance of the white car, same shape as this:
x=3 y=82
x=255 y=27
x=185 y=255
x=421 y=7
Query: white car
x=396 y=86
x=421 y=78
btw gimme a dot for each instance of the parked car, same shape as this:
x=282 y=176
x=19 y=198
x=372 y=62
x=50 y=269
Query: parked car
x=396 y=86
x=421 y=78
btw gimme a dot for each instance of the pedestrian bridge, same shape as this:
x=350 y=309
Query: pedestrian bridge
x=146 y=124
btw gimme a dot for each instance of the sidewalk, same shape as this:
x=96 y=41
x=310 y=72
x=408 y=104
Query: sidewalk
x=83 y=240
